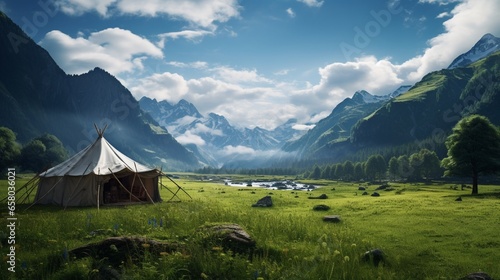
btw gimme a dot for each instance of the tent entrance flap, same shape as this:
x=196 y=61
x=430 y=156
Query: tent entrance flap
x=128 y=188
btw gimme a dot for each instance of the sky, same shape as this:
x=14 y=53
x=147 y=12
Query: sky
x=257 y=62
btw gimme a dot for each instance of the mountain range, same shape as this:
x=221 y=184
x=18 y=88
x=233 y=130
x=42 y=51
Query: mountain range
x=38 y=97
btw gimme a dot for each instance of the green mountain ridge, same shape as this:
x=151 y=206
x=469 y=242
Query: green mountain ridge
x=38 y=97
x=423 y=116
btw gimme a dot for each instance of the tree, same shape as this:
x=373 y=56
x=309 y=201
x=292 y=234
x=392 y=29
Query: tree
x=358 y=171
x=473 y=149
x=9 y=148
x=375 y=167
x=339 y=171
x=431 y=167
x=348 y=167
x=32 y=156
x=393 y=167
x=316 y=173
x=42 y=152
x=404 y=169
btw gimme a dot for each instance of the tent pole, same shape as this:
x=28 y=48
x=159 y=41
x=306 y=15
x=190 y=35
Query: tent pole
x=45 y=193
x=144 y=187
x=178 y=186
x=174 y=194
x=28 y=192
x=121 y=185
x=98 y=187
x=132 y=187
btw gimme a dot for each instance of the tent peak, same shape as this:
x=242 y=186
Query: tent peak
x=100 y=131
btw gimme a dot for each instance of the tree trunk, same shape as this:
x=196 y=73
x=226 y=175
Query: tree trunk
x=474 y=183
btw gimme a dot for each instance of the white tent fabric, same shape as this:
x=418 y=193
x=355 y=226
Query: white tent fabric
x=98 y=158
x=84 y=179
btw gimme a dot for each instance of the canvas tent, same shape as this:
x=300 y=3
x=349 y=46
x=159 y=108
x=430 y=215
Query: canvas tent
x=98 y=175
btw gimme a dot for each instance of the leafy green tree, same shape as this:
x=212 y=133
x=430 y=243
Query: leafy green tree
x=32 y=156
x=9 y=148
x=473 y=149
x=325 y=174
x=316 y=173
x=339 y=171
x=375 y=167
x=348 y=167
x=359 y=171
x=431 y=165
x=393 y=167
x=404 y=169
x=42 y=152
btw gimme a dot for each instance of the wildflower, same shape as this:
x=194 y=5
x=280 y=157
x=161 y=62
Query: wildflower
x=353 y=245
x=346 y=258
x=336 y=252
x=204 y=276
x=323 y=244
x=146 y=245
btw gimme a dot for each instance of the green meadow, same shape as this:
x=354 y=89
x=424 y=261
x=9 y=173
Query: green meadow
x=423 y=232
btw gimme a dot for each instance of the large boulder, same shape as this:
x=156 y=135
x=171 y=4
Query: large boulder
x=226 y=236
x=322 y=196
x=119 y=249
x=266 y=201
x=332 y=218
x=321 y=207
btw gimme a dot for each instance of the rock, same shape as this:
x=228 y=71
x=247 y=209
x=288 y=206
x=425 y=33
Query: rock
x=375 y=194
x=322 y=196
x=375 y=256
x=321 y=207
x=119 y=249
x=360 y=188
x=364 y=193
x=459 y=199
x=266 y=201
x=382 y=187
x=332 y=218
x=228 y=236
x=477 y=276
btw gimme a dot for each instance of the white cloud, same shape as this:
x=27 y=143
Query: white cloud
x=115 y=50
x=201 y=128
x=161 y=86
x=192 y=35
x=470 y=20
x=290 y=12
x=440 y=2
x=312 y=3
x=232 y=75
x=303 y=126
x=237 y=150
x=190 y=138
x=195 y=64
x=202 y=13
x=443 y=15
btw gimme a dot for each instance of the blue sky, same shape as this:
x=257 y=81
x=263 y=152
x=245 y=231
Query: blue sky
x=258 y=63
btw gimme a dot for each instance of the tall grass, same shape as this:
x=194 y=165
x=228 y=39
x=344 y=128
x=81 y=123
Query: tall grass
x=424 y=233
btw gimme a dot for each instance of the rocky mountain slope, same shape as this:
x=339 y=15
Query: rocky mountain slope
x=38 y=97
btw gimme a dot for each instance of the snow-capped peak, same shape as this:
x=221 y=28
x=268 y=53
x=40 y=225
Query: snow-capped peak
x=363 y=96
x=485 y=46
